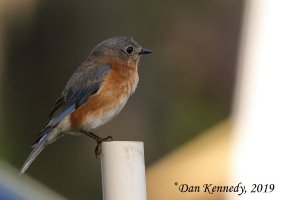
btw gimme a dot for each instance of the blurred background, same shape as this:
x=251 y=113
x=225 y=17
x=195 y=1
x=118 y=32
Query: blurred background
x=186 y=85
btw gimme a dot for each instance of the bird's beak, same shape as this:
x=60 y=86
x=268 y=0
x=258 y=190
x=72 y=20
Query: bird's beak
x=145 y=51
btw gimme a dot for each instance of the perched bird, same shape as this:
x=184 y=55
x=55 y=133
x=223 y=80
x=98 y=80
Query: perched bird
x=95 y=93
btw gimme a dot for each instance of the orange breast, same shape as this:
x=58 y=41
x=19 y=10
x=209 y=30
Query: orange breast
x=118 y=85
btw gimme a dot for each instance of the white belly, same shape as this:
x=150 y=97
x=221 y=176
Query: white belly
x=93 y=123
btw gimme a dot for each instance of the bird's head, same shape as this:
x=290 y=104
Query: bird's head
x=125 y=49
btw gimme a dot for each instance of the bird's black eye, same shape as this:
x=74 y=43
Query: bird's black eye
x=129 y=50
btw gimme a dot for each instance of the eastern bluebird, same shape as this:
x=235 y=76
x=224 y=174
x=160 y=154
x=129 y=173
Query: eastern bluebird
x=96 y=92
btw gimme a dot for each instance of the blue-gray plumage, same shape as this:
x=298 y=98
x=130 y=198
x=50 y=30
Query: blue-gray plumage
x=82 y=84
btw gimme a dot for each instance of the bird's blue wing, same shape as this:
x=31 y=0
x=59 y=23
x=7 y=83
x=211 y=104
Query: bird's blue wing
x=84 y=82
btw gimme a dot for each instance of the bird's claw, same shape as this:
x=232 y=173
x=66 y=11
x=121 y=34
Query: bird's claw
x=98 y=139
x=99 y=142
x=97 y=150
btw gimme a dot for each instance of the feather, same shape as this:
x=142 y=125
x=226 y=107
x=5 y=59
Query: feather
x=35 y=152
x=85 y=81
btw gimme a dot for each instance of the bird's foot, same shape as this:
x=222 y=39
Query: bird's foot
x=99 y=141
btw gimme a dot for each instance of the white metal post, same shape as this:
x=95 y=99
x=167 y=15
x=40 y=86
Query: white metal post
x=123 y=170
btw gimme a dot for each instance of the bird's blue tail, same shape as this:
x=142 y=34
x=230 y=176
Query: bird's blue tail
x=38 y=147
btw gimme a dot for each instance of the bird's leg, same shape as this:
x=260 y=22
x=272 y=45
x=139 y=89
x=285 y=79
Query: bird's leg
x=98 y=139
